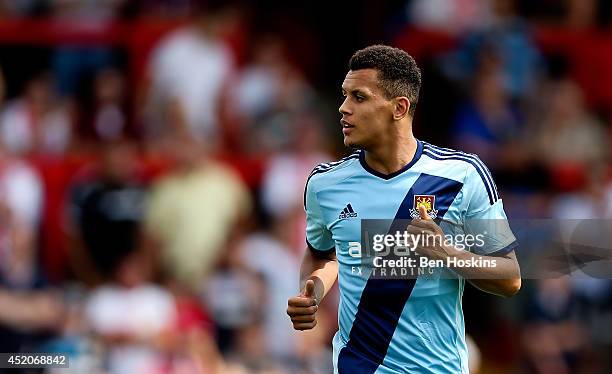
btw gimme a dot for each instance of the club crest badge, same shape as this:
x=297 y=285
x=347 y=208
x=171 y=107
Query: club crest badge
x=428 y=201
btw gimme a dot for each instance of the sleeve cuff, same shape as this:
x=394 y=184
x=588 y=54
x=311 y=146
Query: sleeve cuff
x=504 y=251
x=319 y=251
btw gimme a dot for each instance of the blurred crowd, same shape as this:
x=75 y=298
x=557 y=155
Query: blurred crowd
x=151 y=192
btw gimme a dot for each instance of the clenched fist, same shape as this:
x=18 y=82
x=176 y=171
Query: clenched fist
x=302 y=308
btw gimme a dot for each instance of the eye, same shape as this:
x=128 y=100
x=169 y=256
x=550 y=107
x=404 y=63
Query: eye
x=359 y=98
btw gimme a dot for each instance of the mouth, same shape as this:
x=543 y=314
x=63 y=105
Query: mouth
x=346 y=125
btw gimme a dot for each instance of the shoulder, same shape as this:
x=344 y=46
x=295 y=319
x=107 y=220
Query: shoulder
x=180 y=37
x=22 y=172
x=331 y=172
x=473 y=168
x=451 y=157
x=220 y=170
x=174 y=47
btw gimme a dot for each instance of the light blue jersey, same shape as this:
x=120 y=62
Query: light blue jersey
x=399 y=325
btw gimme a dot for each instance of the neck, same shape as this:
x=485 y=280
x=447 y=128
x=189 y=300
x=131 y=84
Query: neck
x=392 y=157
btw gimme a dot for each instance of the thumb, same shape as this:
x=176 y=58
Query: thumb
x=309 y=288
x=423 y=213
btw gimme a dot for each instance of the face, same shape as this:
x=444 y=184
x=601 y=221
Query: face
x=119 y=162
x=366 y=113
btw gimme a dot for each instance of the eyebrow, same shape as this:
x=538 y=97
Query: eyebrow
x=355 y=91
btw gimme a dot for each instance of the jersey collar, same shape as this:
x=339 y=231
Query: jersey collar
x=417 y=156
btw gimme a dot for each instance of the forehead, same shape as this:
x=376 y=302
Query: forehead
x=363 y=79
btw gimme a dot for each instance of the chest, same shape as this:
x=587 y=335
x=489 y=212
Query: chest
x=346 y=204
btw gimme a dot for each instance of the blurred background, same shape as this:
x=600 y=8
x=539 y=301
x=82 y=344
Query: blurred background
x=153 y=155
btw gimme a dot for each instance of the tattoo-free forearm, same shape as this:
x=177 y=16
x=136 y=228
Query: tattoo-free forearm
x=323 y=270
x=503 y=279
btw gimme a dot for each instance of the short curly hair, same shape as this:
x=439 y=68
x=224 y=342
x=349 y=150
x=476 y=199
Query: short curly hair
x=398 y=73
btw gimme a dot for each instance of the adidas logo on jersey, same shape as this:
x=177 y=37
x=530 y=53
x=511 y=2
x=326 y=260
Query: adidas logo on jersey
x=347 y=212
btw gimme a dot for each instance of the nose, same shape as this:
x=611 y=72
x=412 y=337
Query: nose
x=344 y=110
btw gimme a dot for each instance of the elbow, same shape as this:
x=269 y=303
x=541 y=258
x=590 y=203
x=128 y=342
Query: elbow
x=512 y=287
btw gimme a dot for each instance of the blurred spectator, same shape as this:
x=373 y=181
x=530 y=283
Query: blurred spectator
x=75 y=63
x=109 y=118
x=209 y=358
x=268 y=97
x=288 y=170
x=75 y=338
x=236 y=297
x=589 y=197
x=240 y=298
x=567 y=132
x=454 y=16
x=490 y=120
x=583 y=215
x=134 y=317
x=193 y=210
x=282 y=187
x=250 y=350
x=265 y=254
x=313 y=354
x=509 y=39
x=29 y=312
x=106 y=208
x=20 y=211
x=28 y=319
x=553 y=338
x=37 y=122
x=187 y=74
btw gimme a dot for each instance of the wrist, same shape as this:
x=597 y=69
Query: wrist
x=450 y=251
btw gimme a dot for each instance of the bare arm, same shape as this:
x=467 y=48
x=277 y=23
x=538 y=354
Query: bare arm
x=322 y=269
x=317 y=276
x=31 y=311
x=503 y=279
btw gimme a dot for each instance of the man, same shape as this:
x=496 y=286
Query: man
x=105 y=213
x=396 y=325
x=193 y=210
x=187 y=75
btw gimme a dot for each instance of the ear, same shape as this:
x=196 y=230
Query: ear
x=401 y=107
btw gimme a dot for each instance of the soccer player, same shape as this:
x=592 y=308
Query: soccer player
x=396 y=325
